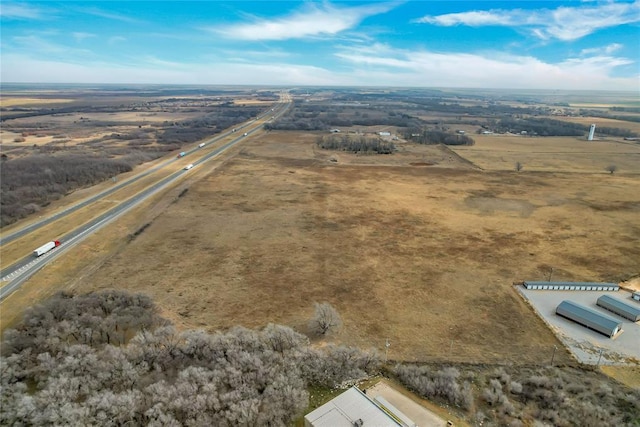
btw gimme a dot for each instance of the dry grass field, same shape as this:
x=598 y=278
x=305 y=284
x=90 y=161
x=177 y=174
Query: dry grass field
x=6 y=102
x=602 y=122
x=423 y=256
x=551 y=154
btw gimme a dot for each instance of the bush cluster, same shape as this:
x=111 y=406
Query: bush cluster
x=356 y=144
x=193 y=130
x=107 y=358
x=523 y=396
x=441 y=384
x=28 y=183
x=433 y=136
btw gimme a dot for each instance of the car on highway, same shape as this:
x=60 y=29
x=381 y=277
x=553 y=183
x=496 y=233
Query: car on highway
x=189 y=166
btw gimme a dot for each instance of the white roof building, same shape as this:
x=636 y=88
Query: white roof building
x=352 y=408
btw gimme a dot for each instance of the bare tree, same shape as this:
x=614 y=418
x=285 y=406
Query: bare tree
x=519 y=166
x=325 y=319
x=611 y=169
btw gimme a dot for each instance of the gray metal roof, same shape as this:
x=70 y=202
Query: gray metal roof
x=345 y=409
x=529 y=282
x=587 y=317
x=621 y=308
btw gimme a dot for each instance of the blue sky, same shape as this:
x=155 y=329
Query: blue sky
x=512 y=44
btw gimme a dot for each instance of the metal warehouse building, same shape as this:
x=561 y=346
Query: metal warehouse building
x=572 y=286
x=620 y=308
x=590 y=318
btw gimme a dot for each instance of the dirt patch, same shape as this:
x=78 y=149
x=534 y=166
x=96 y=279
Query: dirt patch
x=628 y=375
x=489 y=205
x=633 y=284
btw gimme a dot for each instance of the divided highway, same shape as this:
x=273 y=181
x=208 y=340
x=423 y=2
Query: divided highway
x=32 y=227
x=20 y=271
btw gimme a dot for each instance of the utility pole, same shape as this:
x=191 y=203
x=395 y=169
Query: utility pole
x=555 y=347
x=550 y=274
x=387 y=344
x=600 y=358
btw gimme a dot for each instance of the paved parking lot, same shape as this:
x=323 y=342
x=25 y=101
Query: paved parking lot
x=420 y=415
x=587 y=345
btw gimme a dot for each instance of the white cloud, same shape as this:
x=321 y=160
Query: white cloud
x=21 y=68
x=80 y=36
x=43 y=46
x=373 y=64
x=255 y=55
x=116 y=39
x=110 y=15
x=563 y=23
x=604 y=50
x=153 y=61
x=20 y=11
x=314 y=20
x=426 y=68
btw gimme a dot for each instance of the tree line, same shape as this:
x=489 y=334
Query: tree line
x=359 y=144
x=192 y=130
x=550 y=127
x=435 y=136
x=28 y=183
x=524 y=396
x=108 y=358
x=327 y=116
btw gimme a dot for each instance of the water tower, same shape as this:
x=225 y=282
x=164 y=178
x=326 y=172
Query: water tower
x=592 y=130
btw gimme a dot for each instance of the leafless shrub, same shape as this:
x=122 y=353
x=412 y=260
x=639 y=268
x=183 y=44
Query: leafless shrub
x=519 y=166
x=40 y=178
x=515 y=387
x=506 y=407
x=19 y=139
x=436 y=384
x=334 y=365
x=611 y=169
x=325 y=319
x=139 y=142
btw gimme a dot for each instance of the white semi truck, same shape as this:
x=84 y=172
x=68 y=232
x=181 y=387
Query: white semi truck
x=46 y=248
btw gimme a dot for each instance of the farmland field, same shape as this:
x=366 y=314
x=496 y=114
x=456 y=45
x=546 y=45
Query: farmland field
x=423 y=256
x=420 y=247
x=551 y=154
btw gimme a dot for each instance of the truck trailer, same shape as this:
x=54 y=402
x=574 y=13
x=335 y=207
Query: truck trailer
x=46 y=248
x=201 y=145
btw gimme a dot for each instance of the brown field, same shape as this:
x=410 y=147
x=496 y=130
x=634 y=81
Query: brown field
x=551 y=154
x=75 y=128
x=423 y=256
x=18 y=101
x=17 y=249
x=249 y=101
x=595 y=105
x=600 y=121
